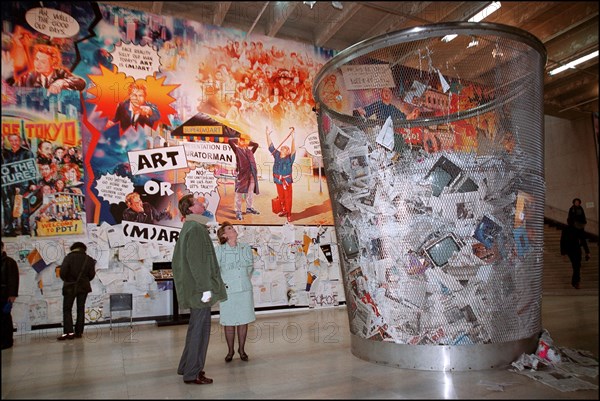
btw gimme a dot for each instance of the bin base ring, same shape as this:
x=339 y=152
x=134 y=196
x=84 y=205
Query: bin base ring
x=442 y=357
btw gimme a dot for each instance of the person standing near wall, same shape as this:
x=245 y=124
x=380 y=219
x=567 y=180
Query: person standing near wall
x=282 y=173
x=76 y=271
x=246 y=182
x=9 y=291
x=199 y=286
x=235 y=261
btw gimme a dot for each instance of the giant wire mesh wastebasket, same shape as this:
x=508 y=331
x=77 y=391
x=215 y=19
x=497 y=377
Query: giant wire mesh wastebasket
x=433 y=153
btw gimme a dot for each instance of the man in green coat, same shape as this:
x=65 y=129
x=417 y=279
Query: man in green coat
x=199 y=286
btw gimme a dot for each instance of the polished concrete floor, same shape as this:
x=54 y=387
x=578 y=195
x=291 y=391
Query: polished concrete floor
x=293 y=355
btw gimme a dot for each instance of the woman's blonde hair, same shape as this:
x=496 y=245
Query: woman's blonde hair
x=221 y=232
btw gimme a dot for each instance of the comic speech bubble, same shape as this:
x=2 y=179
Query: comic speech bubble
x=54 y=23
x=136 y=61
x=201 y=181
x=312 y=144
x=113 y=188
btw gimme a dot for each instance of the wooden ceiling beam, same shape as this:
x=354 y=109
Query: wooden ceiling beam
x=574 y=43
x=339 y=19
x=520 y=14
x=393 y=21
x=574 y=99
x=510 y=13
x=463 y=12
x=569 y=86
x=221 y=9
x=281 y=12
x=582 y=35
x=560 y=19
x=585 y=75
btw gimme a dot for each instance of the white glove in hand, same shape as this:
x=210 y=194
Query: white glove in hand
x=206 y=296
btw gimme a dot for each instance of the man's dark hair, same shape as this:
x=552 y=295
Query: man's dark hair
x=576 y=199
x=78 y=245
x=185 y=203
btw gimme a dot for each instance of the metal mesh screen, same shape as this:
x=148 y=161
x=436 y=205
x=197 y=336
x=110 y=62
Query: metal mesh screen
x=433 y=152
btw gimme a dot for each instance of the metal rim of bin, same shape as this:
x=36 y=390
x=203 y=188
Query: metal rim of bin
x=423 y=32
x=434 y=357
x=441 y=357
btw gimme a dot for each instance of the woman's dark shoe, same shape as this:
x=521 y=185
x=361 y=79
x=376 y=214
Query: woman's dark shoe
x=228 y=357
x=243 y=356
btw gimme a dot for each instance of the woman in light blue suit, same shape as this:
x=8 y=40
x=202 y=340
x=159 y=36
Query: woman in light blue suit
x=236 y=263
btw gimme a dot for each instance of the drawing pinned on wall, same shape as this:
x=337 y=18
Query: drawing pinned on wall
x=36 y=261
x=115 y=236
x=324 y=295
x=327 y=252
x=310 y=279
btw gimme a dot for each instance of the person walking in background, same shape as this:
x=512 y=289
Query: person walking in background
x=577 y=219
x=235 y=260
x=571 y=241
x=9 y=291
x=282 y=173
x=576 y=215
x=199 y=286
x=246 y=182
x=76 y=272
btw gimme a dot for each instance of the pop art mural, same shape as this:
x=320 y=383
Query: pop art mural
x=110 y=116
